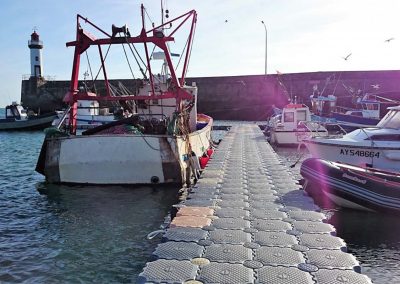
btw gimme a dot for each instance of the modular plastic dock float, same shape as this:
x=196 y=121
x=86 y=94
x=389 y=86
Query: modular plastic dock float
x=247 y=220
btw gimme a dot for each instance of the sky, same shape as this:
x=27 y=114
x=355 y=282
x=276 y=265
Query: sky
x=230 y=40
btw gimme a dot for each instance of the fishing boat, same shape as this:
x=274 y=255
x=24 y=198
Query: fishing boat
x=322 y=105
x=17 y=118
x=89 y=115
x=354 y=187
x=292 y=125
x=367 y=113
x=163 y=138
x=368 y=110
x=375 y=147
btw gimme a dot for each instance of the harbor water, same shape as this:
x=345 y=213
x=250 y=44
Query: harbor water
x=78 y=234
x=71 y=234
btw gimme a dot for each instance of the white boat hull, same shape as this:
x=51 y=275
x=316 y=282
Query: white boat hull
x=37 y=123
x=376 y=157
x=121 y=158
x=294 y=125
x=346 y=203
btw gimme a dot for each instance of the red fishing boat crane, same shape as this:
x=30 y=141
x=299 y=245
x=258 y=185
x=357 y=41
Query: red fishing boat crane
x=155 y=36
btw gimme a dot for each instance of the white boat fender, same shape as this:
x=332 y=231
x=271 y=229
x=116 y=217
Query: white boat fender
x=154 y=234
x=195 y=165
x=195 y=161
x=215 y=143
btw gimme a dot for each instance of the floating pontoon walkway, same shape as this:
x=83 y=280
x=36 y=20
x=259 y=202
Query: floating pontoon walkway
x=248 y=221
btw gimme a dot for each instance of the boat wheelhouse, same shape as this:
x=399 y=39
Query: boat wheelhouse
x=293 y=125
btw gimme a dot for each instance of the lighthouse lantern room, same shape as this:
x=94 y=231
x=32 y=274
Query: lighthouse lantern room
x=36 y=45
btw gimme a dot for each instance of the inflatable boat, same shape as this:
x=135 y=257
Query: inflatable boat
x=354 y=187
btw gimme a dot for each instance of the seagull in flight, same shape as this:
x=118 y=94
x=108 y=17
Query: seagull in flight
x=375 y=86
x=241 y=82
x=347 y=57
x=389 y=39
x=226 y=21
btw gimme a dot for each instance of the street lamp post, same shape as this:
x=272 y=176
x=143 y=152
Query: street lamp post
x=266 y=40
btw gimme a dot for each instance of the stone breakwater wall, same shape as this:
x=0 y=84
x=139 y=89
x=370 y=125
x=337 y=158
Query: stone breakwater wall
x=241 y=97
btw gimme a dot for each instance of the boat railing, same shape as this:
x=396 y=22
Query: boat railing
x=308 y=129
x=335 y=129
x=63 y=118
x=369 y=137
x=321 y=129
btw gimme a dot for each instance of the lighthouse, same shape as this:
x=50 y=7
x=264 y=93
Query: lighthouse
x=36 y=45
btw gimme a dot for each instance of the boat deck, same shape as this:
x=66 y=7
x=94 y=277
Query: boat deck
x=248 y=221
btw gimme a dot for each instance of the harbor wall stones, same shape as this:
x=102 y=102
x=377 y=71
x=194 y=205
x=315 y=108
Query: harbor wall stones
x=247 y=97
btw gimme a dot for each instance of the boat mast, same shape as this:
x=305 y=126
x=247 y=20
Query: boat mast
x=73 y=90
x=143 y=33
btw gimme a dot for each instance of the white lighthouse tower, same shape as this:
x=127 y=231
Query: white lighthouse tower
x=36 y=45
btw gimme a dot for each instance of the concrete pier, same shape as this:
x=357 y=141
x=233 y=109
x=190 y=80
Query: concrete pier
x=247 y=220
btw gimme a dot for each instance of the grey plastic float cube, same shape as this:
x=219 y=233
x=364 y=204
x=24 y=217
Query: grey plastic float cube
x=225 y=273
x=279 y=239
x=234 y=237
x=185 y=234
x=178 y=250
x=278 y=256
x=336 y=276
x=168 y=271
x=227 y=253
x=283 y=275
x=231 y=223
x=322 y=241
x=270 y=225
x=331 y=259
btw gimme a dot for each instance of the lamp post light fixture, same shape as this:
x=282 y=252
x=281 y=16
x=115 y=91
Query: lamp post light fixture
x=266 y=40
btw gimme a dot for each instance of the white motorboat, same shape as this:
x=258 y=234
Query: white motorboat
x=161 y=142
x=293 y=125
x=17 y=118
x=376 y=147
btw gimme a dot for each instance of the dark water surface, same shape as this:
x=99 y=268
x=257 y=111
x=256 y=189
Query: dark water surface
x=58 y=234
x=374 y=238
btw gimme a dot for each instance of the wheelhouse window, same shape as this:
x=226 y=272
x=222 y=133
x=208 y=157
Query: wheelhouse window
x=385 y=137
x=288 y=117
x=301 y=115
x=356 y=113
x=390 y=120
x=371 y=106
